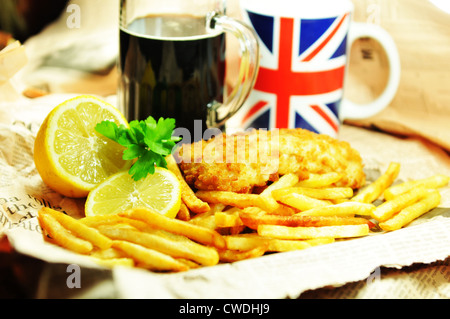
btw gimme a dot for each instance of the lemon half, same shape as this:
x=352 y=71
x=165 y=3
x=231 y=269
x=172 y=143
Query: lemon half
x=160 y=191
x=71 y=157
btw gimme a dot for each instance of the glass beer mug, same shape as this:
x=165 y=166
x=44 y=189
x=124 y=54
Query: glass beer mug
x=172 y=62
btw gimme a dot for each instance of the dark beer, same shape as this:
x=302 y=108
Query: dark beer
x=170 y=67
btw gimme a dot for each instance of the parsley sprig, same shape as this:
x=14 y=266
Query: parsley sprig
x=148 y=141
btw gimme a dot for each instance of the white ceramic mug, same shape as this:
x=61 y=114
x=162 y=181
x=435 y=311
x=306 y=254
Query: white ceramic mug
x=304 y=56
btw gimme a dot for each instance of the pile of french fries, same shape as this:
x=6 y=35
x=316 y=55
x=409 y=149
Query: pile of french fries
x=217 y=227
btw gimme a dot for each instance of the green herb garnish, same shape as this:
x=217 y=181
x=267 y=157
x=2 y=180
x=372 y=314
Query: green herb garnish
x=147 y=141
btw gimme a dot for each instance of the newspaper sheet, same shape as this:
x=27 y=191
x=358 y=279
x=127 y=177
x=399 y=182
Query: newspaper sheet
x=281 y=275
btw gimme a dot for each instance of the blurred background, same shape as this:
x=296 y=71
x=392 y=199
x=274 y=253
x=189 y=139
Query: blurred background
x=25 y=18
x=81 y=35
x=71 y=46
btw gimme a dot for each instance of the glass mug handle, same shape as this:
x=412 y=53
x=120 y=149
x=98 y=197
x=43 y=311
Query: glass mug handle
x=218 y=113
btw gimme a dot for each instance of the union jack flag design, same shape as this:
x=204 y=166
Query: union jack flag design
x=300 y=81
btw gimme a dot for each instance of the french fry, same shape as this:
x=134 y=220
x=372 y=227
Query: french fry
x=224 y=222
x=287 y=180
x=110 y=253
x=299 y=201
x=236 y=255
x=228 y=218
x=189 y=263
x=231 y=198
x=320 y=241
x=176 y=248
x=149 y=258
x=217 y=208
x=340 y=200
x=252 y=217
x=284 y=210
x=247 y=242
x=389 y=208
x=280 y=245
x=197 y=233
x=79 y=229
x=114 y=262
x=374 y=190
x=205 y=220
x=342 y=209
x=319 y=193
x=233 y=230
x=270 y=202
x=320 y=180
x=187 y=194
x=435 y=181
x=183 y=213
x=96 y=221
x=408 y=214
x=62 y=236
x=285 y=232
x=284 y=181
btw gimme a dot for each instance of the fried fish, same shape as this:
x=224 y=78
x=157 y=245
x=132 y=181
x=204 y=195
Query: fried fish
x=241 y=162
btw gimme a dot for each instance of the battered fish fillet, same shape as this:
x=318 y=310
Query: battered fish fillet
x=241 y=162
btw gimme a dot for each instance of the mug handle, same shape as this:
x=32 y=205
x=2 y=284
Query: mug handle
x=218 y=113
x=351 y=110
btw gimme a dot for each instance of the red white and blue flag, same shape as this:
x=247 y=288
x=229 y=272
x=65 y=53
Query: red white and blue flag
x=300 y=81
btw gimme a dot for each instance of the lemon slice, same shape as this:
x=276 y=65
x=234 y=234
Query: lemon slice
x=160 y=191
x=71 y=157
